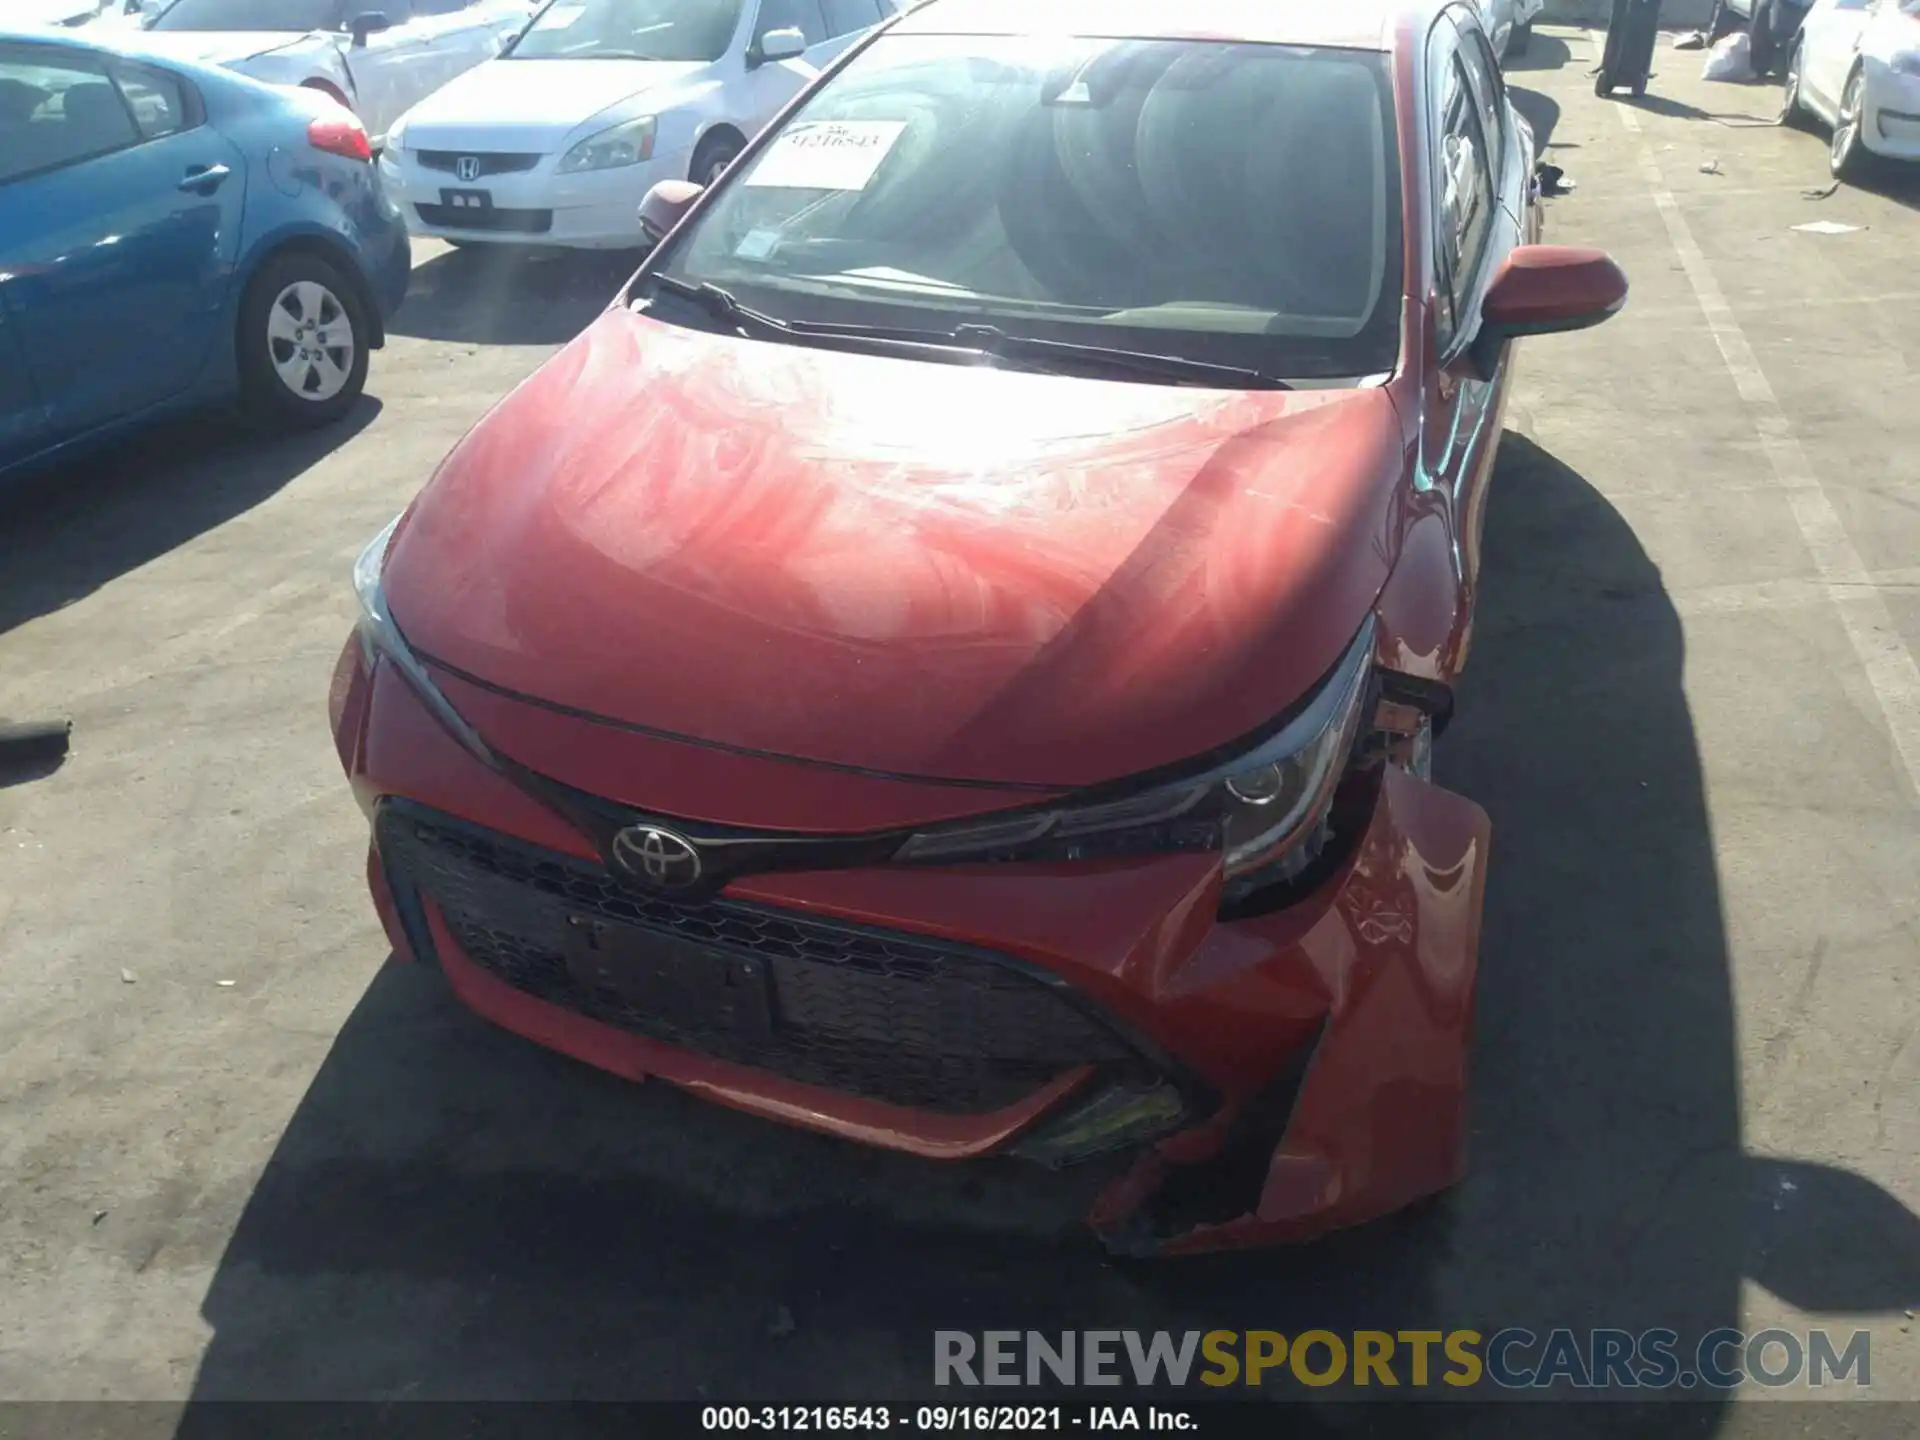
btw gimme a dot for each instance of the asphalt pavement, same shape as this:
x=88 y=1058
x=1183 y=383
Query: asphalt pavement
x=241 y=1156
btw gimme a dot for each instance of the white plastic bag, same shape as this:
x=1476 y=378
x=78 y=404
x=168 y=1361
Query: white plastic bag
x=1731 y=59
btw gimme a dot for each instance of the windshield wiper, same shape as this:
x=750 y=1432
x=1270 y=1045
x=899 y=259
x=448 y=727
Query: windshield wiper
x=992 y=340
x=988 y=341
x=722 y=305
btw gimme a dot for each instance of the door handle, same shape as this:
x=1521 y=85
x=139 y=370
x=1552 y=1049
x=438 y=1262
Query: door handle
x=204 y=179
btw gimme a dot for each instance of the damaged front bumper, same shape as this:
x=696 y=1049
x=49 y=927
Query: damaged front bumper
x=1307 y=1066
x=1369 y=1114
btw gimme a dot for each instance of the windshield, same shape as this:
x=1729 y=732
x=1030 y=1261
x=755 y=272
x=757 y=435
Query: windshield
x=291 y=16
x=1229 y=203
x=698 y=30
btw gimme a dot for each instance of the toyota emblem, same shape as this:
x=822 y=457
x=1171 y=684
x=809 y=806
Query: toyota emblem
x=657 y=857
x=467 y=167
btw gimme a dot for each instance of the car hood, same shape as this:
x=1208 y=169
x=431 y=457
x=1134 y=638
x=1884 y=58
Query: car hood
x=913 y=568
x=216 y=47
x=530 y=105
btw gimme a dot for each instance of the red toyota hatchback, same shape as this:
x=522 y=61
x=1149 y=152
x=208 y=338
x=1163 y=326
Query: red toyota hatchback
x=949 y=658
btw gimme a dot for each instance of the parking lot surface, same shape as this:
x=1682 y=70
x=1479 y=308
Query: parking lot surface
x=243 y=1157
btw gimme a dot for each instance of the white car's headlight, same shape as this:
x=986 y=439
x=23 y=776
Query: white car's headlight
x=1906 y=62
x=396 y=135
x=624 y=144
x=381 y=639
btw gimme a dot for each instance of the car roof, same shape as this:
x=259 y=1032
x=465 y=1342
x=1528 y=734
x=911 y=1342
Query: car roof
x=116 y=43
x=100 y=40
x=1340 y=24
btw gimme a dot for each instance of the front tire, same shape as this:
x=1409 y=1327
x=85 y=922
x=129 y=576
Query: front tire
x=711 y=160
x=1521 y=38
x=1847 y=156
x=303 y=343
x=1792 y=113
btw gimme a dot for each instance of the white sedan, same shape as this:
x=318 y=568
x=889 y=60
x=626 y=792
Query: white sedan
x=558 y=141
x=1856 y=69
x=377 y=57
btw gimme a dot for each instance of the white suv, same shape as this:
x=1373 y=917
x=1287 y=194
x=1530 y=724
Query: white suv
x=558 y=140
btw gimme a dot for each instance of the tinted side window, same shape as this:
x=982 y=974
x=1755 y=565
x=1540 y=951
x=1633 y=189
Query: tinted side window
x=801 y=15
x=846 y=16
x=1489 y=94
x=158 y=102
x=1463 y=189
x=55 y=110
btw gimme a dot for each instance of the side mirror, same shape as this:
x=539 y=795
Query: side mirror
x=1544 y=290
x=664 y=207
x=372 y=22
x=781 y=44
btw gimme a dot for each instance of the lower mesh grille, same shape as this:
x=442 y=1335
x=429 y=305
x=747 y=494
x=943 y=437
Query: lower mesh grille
x=875 y=1013
x=514 y=222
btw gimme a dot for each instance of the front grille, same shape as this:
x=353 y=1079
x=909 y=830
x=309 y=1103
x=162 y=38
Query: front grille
x=876 y=1013
x=519 y=222
x=449 y=161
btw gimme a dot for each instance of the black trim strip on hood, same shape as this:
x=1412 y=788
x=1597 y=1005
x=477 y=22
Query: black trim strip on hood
x=634 y=727
x=1100 y=790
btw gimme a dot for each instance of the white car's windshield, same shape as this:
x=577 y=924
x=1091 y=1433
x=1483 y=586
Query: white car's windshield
x=691 y=30
x=292 y=16
x=1233 y=204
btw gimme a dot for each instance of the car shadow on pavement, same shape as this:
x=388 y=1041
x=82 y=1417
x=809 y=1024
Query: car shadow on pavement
x=1899 y=183
x=453 y=1213
x=1541 y=112
x=1545 y=52
x=1656 y=104
x=68 y=531
x=483 y=296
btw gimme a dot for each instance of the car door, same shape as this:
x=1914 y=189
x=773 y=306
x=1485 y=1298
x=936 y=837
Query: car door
x=770 y=84
x=123 y=227
x=1832 y=33
x=392 y=69
x=1477 y=158
x=23 y=419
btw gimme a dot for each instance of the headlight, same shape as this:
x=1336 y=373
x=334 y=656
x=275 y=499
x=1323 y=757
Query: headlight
x=1263 y=810
x=396 y=136
x=381 y=639
x=626 y=144
x=1907 y=62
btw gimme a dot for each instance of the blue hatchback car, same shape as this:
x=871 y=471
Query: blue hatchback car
x=172 y=234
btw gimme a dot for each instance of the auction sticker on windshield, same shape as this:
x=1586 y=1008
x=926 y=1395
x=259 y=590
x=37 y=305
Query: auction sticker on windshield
x=827 y=154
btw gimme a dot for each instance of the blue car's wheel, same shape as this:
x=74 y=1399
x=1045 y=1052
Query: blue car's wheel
x=303 y=342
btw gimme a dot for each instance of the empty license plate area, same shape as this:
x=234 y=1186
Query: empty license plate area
x=688 y=985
